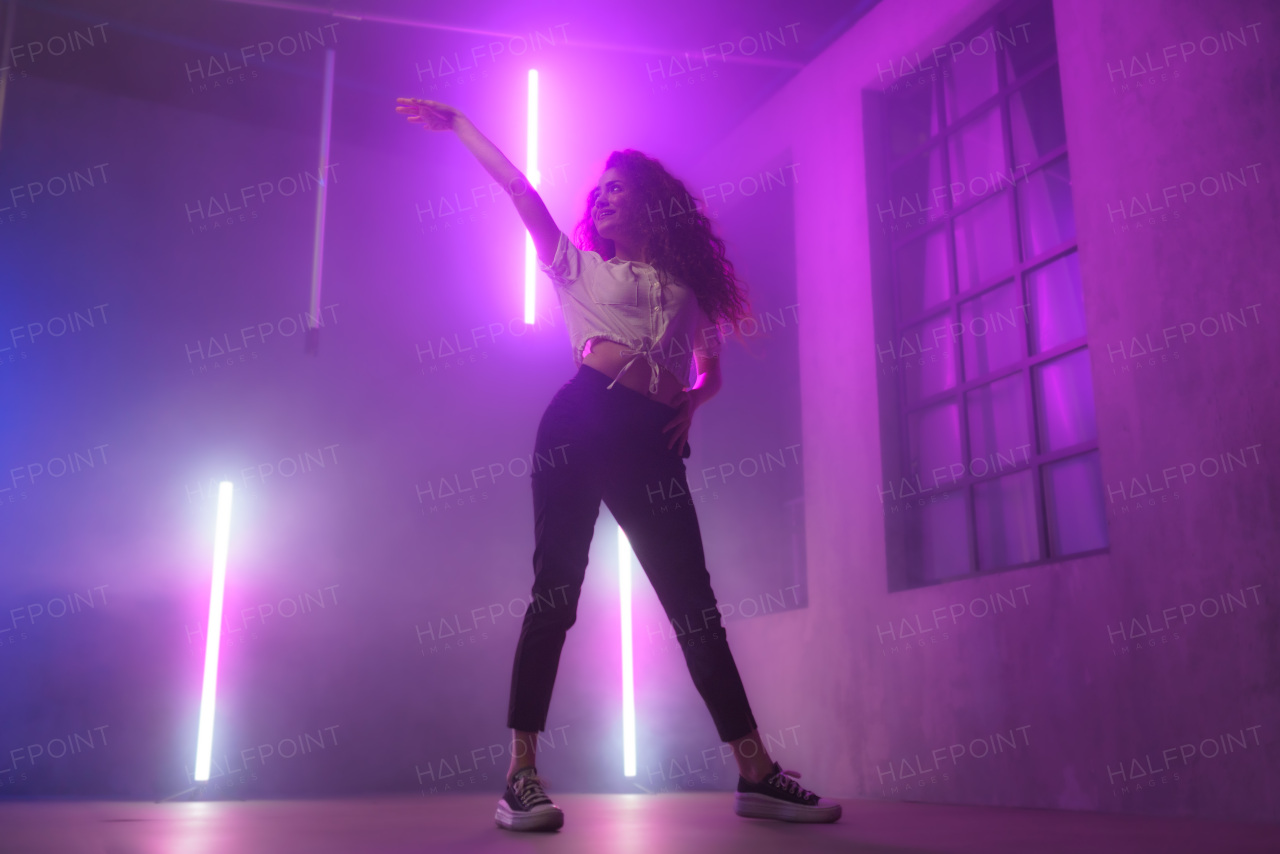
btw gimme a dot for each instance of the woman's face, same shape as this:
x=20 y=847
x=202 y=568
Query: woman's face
x=615 y=207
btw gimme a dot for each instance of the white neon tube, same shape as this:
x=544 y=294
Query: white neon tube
x=213 y=636
x=628 y=664
x=317 y=245
x=531 y=172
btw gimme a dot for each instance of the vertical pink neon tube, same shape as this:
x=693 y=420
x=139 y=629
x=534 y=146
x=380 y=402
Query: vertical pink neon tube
x=628 y=658
x=531 y=172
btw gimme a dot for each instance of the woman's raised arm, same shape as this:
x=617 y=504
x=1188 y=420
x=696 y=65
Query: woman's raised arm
x=529 y=205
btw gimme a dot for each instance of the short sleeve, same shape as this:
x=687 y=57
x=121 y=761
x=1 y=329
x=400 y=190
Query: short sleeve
x=568 y=264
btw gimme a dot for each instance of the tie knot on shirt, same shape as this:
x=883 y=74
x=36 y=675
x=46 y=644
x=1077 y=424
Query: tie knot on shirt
x=648 y=350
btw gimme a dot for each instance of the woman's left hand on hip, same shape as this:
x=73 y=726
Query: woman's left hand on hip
x=679 y=426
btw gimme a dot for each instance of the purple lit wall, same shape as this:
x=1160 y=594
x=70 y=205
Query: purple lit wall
x=1141 y=679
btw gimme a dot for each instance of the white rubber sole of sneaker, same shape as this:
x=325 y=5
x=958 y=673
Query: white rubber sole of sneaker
x=550 y=818
x=751 y=805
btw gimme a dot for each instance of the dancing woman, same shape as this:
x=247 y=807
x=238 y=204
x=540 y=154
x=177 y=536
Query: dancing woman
x=645 y=294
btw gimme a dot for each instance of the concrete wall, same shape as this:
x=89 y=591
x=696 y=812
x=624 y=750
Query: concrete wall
x=1099 y=717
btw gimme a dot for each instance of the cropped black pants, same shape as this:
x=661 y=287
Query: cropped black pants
x=597 y=443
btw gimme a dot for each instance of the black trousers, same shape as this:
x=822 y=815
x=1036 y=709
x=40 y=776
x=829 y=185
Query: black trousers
x=597 y=443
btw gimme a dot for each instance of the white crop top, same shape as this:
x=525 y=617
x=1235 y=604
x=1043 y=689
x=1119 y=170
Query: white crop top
x=625 y=302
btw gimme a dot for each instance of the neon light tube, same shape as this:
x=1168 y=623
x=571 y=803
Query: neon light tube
x=213 y=637
x=535 y=178
x=628 y=664
x=317 y=250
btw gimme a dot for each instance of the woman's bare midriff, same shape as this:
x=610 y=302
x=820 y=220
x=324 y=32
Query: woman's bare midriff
x=608 y=357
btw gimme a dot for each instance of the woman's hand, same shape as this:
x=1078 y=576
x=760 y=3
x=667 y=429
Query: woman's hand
x=692 y=397
x=433 y=115
x=686 y=402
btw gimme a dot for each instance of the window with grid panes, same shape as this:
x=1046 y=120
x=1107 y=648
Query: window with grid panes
x=991 y=456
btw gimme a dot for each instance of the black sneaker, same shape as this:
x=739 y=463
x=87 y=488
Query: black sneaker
x=780 y=796
x=525 y=805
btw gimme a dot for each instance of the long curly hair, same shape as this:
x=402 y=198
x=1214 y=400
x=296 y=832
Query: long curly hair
x=679 y=237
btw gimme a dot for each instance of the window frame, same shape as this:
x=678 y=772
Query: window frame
x=905 y=563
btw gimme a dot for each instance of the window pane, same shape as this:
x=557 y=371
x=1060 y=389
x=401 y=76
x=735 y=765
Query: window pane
x=972 y=74
x=926 y=356
x=1059 y=302
x=939 y=537
x=985 y=246
x=1064 y=401
x=934 y=438
x=912 y=106
x=1004 y=512
x=994 y=330
x=1073 y=499
x=1026 y=36
x=1035 y=114
x=999 y=437
x=917 y=187
x=1045 y=209
x=978 y=156
x=924 y=274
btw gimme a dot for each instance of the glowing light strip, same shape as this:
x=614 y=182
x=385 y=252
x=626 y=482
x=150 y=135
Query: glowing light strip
x=535 y=178
x=213 y=637
x=628 y=664
x=317 y=252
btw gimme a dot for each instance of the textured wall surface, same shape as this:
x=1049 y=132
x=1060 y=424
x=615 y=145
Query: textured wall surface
x=1140 y=680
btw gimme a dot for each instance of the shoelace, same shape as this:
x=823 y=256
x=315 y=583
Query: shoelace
x=530 y=791
x=785 y=780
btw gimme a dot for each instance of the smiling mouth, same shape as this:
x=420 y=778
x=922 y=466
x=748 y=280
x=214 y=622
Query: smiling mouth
x=603 y=214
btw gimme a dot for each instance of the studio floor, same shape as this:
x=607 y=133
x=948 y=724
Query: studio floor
x=595 y=824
